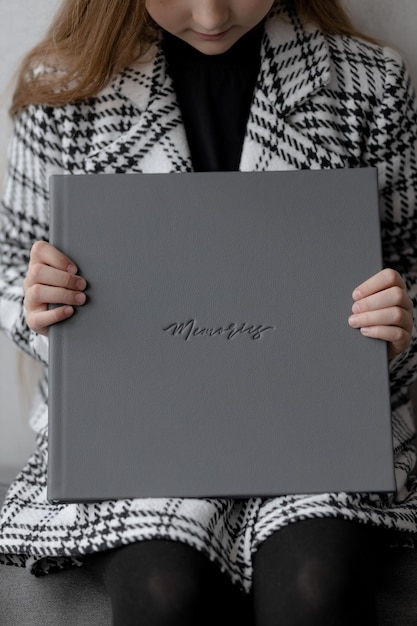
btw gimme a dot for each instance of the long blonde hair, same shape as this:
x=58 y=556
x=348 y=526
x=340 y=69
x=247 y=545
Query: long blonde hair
x=90 y=41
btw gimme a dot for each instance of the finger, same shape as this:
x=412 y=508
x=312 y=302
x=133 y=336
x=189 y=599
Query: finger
x=393 y=316
x=398 y=339
x=39 y=273
x=392 y=297
x=39 y=296
x=382 y=280
x=44 y=252
x=40 y=321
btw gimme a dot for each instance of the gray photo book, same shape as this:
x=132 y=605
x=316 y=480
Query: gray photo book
x=213 y=356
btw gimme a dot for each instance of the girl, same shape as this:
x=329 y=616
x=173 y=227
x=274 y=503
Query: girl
x=182 y=85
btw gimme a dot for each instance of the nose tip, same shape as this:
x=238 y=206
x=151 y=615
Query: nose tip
x=211 y=15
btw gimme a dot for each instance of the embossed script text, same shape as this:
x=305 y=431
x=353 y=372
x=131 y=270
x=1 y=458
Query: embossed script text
x=191 y=329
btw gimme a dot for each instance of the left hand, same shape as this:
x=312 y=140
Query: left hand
x=384 y=310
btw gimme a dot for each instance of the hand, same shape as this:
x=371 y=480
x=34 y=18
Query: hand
x=51 y=279
x=383 y=310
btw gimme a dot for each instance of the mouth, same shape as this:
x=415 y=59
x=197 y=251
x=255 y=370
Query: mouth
x=212 y=36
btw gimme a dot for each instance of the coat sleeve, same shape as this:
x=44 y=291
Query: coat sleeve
x=33 y=154
x=392 y=148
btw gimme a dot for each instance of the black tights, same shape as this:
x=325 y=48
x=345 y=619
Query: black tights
x=165 y=583
x=310 y=573
x=316 y=573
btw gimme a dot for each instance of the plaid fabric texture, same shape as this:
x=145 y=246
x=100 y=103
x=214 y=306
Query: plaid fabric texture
x=320 y=102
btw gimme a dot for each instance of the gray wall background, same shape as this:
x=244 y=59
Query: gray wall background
x=21 y=25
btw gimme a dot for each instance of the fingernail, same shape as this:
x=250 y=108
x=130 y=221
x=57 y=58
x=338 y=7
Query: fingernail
x=365 y=330
x=356 y=308
x=67 y=310
x=80 y=298
x=71 y=268
x=353 y=321
x=80 y=284
x=357 y=294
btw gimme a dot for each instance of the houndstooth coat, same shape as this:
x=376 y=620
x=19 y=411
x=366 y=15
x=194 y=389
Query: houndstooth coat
x=320 y=102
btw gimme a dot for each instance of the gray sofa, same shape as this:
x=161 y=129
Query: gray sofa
x=74 y=598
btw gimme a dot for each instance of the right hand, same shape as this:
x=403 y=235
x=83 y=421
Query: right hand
x=51 y=279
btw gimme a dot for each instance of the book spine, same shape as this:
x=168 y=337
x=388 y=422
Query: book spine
x=56 y=375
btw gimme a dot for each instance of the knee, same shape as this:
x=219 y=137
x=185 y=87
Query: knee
x=159 y=583
x=160 y=598
x=173 y=594
x=320 y=588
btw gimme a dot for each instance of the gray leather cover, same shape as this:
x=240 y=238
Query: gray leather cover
x=214 y=357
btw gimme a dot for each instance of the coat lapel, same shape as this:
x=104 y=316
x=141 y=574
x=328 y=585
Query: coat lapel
x=296 y=65
x=157 y=141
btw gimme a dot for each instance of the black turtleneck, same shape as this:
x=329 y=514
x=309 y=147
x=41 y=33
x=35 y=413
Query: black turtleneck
x=214 y=94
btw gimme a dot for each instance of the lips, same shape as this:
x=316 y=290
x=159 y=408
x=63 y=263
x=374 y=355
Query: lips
x=212 y=36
